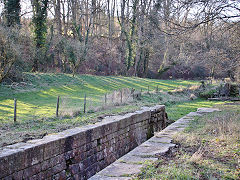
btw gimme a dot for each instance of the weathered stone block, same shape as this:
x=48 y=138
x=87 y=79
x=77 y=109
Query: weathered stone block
x=62 y=175
x=79 y=157
x=45 y=165
x=74 y=169
x=8 y=161
x=140 y=116
x=56 y=160
x=89 y=161
x=91 y=170
x=29 y=172
x=100 y=155
x=18 y=175
x=51 y=149
x=91 y=152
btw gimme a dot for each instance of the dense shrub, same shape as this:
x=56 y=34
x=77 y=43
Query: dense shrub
x=234 y=90
x=208 y=93
x=9 y=52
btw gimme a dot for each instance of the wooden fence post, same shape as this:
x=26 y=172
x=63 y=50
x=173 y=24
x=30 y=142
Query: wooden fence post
x=57 y=107
x=85 y=102
x=113 y=93
x=121 y=96
x=15 y=110
x=157 y=89
x=105 y=99
x=239 y=89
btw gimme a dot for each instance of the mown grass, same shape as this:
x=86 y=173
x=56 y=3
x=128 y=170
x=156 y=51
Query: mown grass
x=208 y=149
x=37 y=98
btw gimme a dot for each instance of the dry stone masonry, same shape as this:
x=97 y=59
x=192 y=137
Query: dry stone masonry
x=81 y=152
x=131 y=163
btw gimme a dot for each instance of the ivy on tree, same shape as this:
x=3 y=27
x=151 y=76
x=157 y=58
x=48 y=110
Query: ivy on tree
x=12 y=11
x=39 y=23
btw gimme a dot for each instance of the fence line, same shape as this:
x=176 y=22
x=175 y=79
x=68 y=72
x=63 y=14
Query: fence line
x=117 y=97
x=15 y=110
x=57 y=108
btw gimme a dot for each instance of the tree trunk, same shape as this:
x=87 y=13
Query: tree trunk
x=122 y=41
x=57 y=9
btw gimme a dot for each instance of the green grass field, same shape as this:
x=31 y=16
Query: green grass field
x=37 y=97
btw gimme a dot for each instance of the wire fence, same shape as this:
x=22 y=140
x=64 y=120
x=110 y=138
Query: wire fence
x=68 y=106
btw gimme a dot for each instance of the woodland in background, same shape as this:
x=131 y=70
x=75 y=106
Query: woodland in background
x=146 y=38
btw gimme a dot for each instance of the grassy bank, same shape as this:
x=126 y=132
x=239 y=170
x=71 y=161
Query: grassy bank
x=208 y=149
x=37 y=97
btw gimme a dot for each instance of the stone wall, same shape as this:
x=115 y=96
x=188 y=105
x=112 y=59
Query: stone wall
x=130 y=165
x=80 y=152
